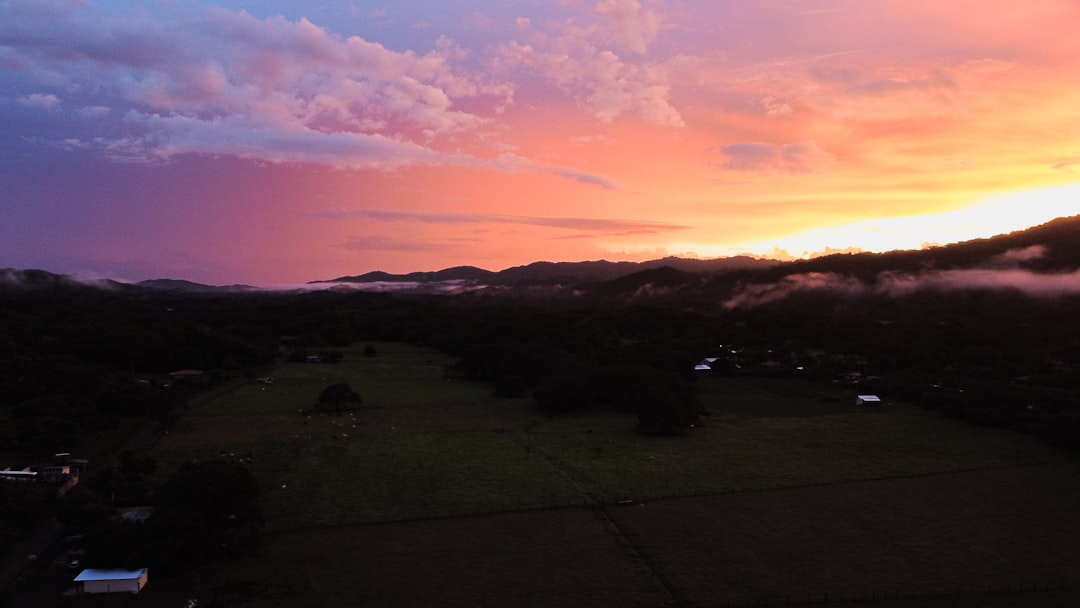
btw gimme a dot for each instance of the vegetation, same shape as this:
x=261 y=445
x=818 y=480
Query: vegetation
x=203 y=510
x=338 y=398
x=780 y=466
x=651 y=385
x=406 y=457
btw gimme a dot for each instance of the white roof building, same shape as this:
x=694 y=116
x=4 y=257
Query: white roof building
x=93 y=580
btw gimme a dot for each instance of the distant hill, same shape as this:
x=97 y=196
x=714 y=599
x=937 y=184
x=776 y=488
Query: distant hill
x=188 y=286
x=12 y=279
x=558 y=273
x=457 y=273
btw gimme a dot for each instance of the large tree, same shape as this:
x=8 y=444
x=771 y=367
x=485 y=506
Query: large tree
x=338 y=397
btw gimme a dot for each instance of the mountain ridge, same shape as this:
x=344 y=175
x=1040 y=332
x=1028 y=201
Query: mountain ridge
x=544 y=272
x=1053 y=246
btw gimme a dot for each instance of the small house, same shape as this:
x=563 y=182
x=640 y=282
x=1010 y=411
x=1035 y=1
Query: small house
x=93 y=580
x=868 y=400
x=63 y=477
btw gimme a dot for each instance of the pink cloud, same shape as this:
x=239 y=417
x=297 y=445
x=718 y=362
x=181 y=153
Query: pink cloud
x=630 y=26
x=805 y=157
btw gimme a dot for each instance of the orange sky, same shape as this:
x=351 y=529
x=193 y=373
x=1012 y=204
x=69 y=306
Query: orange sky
x=267 y=143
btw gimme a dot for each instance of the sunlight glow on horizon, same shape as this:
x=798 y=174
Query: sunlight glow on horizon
x=991 y=216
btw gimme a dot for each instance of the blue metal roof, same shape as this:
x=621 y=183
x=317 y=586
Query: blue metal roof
x=95 y=574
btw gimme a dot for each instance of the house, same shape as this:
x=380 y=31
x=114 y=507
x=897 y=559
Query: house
x=706 y=363
x=868 y=400
x=93 y=580
x=64 y=477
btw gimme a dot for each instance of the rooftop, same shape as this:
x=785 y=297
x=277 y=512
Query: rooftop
x=95 y=574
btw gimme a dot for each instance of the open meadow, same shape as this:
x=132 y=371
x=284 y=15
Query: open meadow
x=433 y=492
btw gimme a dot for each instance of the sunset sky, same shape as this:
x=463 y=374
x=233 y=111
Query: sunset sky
x=280 y=142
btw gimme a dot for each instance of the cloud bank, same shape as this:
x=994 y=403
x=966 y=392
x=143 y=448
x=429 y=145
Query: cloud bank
x=220 y=82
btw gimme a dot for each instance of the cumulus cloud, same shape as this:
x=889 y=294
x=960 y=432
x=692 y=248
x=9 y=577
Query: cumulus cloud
x=804 y=157
x=582 y=56
x=228 y=83
x=224 y=82
x=630 y=26
x=38 y=100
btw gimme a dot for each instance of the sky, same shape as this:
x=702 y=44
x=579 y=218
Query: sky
x=281 y=142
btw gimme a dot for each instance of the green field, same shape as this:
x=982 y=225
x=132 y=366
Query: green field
x=423 y=446
x=448 y=496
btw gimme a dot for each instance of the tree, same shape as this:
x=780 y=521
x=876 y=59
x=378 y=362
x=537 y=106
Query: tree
x=206 y=509
x=338 y=397
x=663 y=412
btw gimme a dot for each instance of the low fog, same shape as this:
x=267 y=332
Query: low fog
x=1003 y=271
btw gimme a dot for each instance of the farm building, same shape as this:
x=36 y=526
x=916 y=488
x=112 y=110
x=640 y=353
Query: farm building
x=868 y=400
x=22 y=474
x=111 y=581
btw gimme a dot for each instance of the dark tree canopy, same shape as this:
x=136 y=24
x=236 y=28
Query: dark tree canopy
x=206 y=509
x=338 y=397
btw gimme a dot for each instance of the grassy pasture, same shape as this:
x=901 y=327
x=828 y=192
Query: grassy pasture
x=969 y=539
x=424 y=446
x=965 y=533
x=789 y=490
